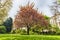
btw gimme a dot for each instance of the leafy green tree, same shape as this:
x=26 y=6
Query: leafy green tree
x=8 y=24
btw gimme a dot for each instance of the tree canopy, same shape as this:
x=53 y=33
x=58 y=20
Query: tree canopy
x=8 y=24
x=4 y=9
x=28 y=16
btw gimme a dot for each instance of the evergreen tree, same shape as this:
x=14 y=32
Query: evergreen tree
x=8 y=24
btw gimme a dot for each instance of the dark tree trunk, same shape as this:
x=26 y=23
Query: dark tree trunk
x=28 y=28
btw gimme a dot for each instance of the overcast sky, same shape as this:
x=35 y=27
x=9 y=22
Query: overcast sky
x=42 y=5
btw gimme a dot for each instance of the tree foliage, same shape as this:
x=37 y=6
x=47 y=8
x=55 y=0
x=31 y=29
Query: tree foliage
x=2 y=29
x=8 y=24
x=28 y=17
x=58 y=1
x=4 y=9
x=55 y=11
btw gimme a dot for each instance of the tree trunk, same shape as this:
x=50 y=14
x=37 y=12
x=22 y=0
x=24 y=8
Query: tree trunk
x=28 y=30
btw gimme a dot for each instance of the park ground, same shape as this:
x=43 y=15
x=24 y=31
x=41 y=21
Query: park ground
x=28 y=37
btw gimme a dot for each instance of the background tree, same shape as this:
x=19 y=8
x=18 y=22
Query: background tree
x=55 y=11
x=8 y=24
x=28 y=17
x=5 y=6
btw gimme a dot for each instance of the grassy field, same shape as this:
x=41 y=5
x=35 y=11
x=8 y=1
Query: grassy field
x=28 y=37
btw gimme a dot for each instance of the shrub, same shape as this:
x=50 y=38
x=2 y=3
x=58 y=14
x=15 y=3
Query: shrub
x=2 y=29
x=19 y=31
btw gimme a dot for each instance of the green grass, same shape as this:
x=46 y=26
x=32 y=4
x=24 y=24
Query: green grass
x=28 y=37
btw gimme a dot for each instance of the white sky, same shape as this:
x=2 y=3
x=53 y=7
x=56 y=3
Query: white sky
x=42 y=5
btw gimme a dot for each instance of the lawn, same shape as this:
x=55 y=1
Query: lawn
x=28 y=37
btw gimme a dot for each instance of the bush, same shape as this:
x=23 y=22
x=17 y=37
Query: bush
x=36 y=29
x=19 y=31
x=2 y=29
x=54 y=30
x=58 y=32
x=33 y=33
x=23 y=32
